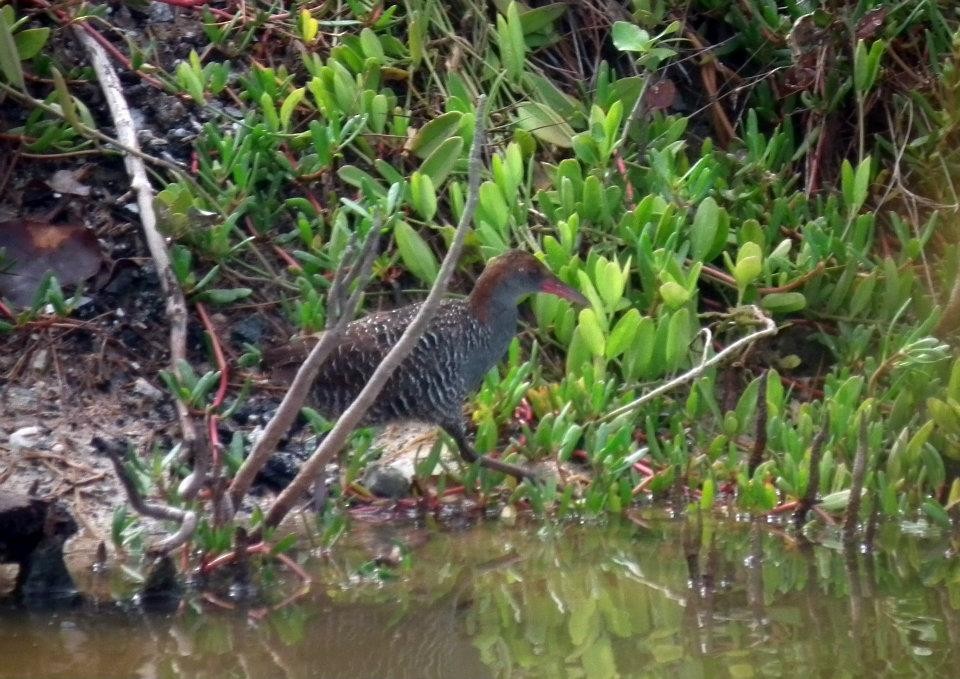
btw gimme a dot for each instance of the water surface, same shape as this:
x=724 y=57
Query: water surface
x=659 y=598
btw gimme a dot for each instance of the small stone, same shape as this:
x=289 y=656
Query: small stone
x=40 y=360
x=160 y=13
x=386 y=482
x=508 y=516
x=58 y=448
x=142 y=387
x=20 y=399
x=249 y=329
x=25 y=437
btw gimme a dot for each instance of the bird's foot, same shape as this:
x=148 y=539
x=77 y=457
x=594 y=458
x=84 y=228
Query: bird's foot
x=516 y=471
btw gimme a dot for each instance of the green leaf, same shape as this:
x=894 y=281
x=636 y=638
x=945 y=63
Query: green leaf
x=610 y=280
x=578 y=353
x=10 y=57
x=371 y=46
x=492 y=207
x=434 y=133
x=585 y=147
x=415 y=253
x=416 y=37
x=442 y=160
x=706 y=224
x=545 y=91
x=936 y=513
x=749 y=264
x=540 y=18
x=354 y=176
x=834 y=502
x=855 y=185
x=510 y=41
x=224 y=295
x=628 y=37
x=30 y=41
x=623 y=333
x=289 y=106
x=674 y=294
x=591 y=332
x=190 y=81
x=678 y=338
x=309 y=27
x=783 y=302
x=423 y=195
x=544 y=123
x=707 y=493
x=861 y=182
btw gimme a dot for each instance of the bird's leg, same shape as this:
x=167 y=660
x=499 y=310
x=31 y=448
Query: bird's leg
x=457 y=433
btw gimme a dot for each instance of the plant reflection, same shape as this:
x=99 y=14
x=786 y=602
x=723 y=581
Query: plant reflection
x=695 y=597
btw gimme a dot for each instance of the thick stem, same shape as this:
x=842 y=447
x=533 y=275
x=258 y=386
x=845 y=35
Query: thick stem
x=813 y=477
x=856 y=484
x=760 y=436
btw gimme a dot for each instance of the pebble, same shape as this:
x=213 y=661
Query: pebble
x=40 y=360
x=25 y=437
x=160 y=13
x=142 y=387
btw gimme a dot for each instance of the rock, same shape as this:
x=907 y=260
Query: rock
x=44 y=578
x=32 y=533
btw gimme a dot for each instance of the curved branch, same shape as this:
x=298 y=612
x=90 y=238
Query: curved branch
x=769 y=328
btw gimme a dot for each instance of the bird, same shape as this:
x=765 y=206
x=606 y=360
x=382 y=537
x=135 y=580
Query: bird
x=462 y=342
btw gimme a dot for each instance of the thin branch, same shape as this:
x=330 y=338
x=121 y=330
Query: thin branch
x=769 y=328
x=353 y=414
x=300 y=387
x=176 y=306
x=89 y=132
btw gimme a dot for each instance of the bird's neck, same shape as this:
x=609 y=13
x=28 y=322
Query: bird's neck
x=490 y=300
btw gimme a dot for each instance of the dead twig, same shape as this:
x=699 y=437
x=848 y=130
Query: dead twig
x=116 y=451
x=354 y=413
x=176 y=306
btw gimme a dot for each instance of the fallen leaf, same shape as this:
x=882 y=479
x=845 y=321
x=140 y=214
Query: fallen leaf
x=871 y=23
x=32 y=248
x=661 y=95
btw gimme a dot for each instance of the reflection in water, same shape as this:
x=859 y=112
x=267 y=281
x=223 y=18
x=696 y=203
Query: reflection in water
x=691 y=598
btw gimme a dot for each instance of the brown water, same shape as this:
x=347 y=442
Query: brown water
x=669 y=598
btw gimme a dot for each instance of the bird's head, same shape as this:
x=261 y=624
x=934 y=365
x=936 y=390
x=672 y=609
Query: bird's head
x=513 y=275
